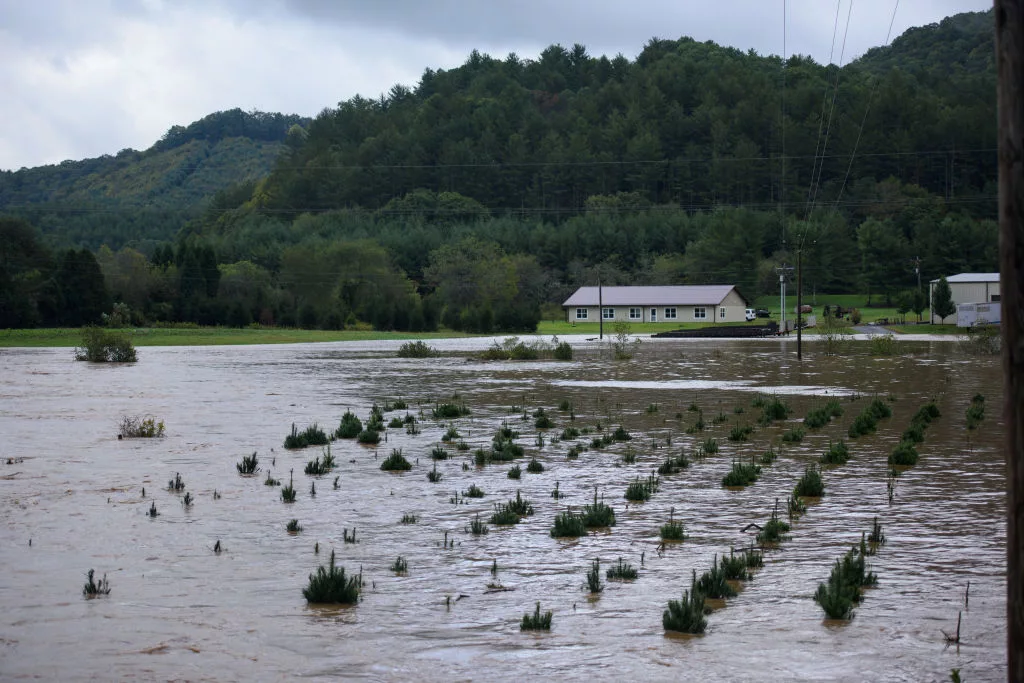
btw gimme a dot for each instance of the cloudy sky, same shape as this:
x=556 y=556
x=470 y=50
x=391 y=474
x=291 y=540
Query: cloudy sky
x=81 y=78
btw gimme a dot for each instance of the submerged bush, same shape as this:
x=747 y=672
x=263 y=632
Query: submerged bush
x=350 y=426
x=597 y=514
x=396 y=462
x=536 y=621
x=249 y=464
x=133 y=427
x=369 y=436
x=640 y=490
x=568 y=525
x=772 y=408
x=714 y=584
x=94 y=589
x=621 y=571
x=473 y=491
x=976 y=411
x=810 y=485
x=904 y=454
x=104 y=346
x=686 y=615
x=773 y=530
x=795 y=435
x=837 y=454
x=594 y=578
x=673 y=530
x=450 y=411
x=310 y=436
x=741 y=474
x=417 y=349
x=330 y=586
x=740 y=433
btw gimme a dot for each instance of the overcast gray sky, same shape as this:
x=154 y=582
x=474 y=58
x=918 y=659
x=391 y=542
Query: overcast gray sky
x=81 y=78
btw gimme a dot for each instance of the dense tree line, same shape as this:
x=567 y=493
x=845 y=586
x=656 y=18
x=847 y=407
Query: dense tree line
x=484 y=196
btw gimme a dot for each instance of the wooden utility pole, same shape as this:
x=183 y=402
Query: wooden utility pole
x=1010 y=65
x=600 y=310
x=799 y=300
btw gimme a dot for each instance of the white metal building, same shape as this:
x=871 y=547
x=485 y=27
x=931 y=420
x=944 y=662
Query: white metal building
x=660 y=304
x=966 y=288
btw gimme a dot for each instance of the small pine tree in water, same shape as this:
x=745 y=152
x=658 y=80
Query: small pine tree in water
x=686 y=615
x=94 y=589
x=329 y=585
x=536 y=621
x=594 y=577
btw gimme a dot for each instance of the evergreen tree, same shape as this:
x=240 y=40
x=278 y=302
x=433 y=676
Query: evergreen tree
x=942 y=300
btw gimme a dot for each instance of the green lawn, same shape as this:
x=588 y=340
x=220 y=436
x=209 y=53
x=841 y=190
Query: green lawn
x=210 y=336
x=819 y=301
x=924 y=329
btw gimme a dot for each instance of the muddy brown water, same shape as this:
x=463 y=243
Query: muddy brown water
x=178 y=611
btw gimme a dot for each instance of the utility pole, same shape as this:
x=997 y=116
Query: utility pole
x=782 y=270
x=799 y=300
x=600 y=310
x=917 y=269
x=1010 y=69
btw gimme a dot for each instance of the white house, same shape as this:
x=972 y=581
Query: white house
x=660 y=304
x=967 y=288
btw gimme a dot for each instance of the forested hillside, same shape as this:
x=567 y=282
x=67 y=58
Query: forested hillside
x=145 y=197
x=494 y=188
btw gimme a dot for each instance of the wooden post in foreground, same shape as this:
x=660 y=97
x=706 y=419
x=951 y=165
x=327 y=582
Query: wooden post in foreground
x=1010 y=64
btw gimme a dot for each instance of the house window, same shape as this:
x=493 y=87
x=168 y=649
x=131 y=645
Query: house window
x=994 y=298
x=721 y=313
x=634 y=314
x=700 y=313
x=581 y=314
x=608 y=313
x=670 y=314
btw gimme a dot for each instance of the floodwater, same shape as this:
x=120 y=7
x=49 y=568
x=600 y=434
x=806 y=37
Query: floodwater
x=179 y=611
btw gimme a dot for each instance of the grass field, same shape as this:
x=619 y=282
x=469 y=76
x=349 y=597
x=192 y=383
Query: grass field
x=819 y=301
x=210 y=336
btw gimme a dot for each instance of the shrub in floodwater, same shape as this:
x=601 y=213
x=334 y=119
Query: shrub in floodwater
x=519 y=505
x=396 y=462
x=318 y=467
x=879 y=408
x=293 y=527
x=412 y=428
x=187 y=500
x=433 y=476
x=568 y=525
x=270 y=481
x=94 y=589
x=597 y=514
x=462 y=446
x=515 y=472
x=249 y=464
x=652 y=408
x=409 y=519
x=594 y=577
x=473 y=491
x=673 y=465
x=417 y=349
x=369 y=436
x=639 y=490
x=536 y=621
x=686 y=615
x=574 y=452
x=795 y=506
x=451 y=434
x=450 y=411
x=329 y=585
x=400 y=566
x=621 y=571
x=629 y=455
x=152 y=509
x=542 y=420
x=563 y=351
x=904 y=454
x=976 y=411
x=481 y=457
x=620 y=434
x=720 y=418
x=477 y=527
x=876 y=537
x=769 y=456
x=673 y=530
x=713 y=583
x=565 y=405
x=738 y=433
x=754 y=558
x=312 y=489
x=535 y=466
x=773 y=408
x=503 y=516
x=810 y=484
x=350 y=426
x=349 y=538
x=914 y=433
x=884 y=345
x=837 y=454
x=773 y=530
x=555 y=493
x=741 y=474
x=795 y=435
x=288 y=492
x=104 y=346
x=708 y=447
x=734 y=567
x=396 y=423
x=134 y=427
x=843 y=589
x=570 y=433
x=310 y=436
x=835 y=599
x=176 y=484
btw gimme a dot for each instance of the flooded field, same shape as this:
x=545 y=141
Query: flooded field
x=177 y=610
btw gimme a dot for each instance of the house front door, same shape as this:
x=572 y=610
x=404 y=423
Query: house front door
x=654 y=315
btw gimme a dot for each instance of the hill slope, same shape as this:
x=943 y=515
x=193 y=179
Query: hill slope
x=146 y=195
